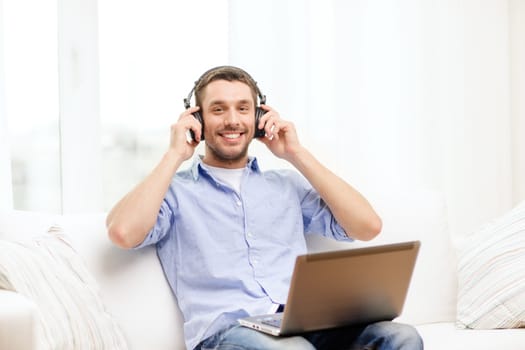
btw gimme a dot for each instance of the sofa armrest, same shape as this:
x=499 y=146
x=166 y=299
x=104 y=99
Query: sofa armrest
x=17 y=321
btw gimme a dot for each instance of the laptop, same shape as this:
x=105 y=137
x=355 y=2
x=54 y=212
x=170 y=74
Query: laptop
x=342 y=288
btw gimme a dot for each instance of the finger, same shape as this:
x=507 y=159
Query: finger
x=193 y=109
x=280 y=128
x=271 y=128
x=266 y=107
x=271 y=133
x=269 y=112
x=188 y=125
x=189 y=112
x=193 y=126
x=275 y=132
x=197 y=131
x=263 y=120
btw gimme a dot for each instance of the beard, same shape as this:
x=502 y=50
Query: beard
x=226 y=156
x=223 y=154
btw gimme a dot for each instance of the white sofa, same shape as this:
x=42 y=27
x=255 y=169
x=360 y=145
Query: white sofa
x=135 y=293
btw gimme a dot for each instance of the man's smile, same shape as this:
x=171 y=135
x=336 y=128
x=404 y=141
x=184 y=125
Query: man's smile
x=231 y=136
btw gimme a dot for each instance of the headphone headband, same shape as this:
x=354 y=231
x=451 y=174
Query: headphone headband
x=187 y=104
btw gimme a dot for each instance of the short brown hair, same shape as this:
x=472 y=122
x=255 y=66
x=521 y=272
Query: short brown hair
x=228 y=73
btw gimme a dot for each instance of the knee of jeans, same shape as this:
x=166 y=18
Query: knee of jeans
x=411 y=336
x=401 y=336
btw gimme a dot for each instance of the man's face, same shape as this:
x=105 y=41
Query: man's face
x=228 y=112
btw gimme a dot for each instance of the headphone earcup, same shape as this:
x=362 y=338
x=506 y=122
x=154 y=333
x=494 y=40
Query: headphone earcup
x=259 y=112
x=198 y=116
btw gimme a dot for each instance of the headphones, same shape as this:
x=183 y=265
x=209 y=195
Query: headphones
x=259 y=112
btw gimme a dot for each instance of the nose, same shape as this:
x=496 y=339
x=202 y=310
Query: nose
x=231 y=118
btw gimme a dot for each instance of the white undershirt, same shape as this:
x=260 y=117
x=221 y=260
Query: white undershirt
x=231 y=177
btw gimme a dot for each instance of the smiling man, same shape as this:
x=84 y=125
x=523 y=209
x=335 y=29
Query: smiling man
x=230 y=123
x=227 y=233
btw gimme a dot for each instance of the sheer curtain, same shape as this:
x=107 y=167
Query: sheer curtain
x=29 y=114
x=6 y=192
x=6 y=189
x=90 y=90
x=392 y=95
x=517 y=43
x=396 y=95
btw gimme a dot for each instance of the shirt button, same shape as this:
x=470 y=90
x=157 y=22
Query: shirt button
x=239 y=203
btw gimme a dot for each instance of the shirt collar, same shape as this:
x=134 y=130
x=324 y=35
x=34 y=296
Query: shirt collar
x=197 y=168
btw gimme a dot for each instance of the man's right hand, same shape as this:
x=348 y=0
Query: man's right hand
x=179 y=140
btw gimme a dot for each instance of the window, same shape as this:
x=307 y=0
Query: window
x=31 y=95
x=151 y=52
x=129 y=63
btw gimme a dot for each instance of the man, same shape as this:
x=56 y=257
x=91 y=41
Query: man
x=227 y=234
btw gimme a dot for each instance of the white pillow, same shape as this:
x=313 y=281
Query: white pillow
x=71 y=315
x=491 y=274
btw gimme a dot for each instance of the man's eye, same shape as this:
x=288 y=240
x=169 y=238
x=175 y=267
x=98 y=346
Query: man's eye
x=217 y=110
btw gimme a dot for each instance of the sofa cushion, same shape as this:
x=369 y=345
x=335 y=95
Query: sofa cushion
x=69 y=311
x=491 y=274
x=439 y=336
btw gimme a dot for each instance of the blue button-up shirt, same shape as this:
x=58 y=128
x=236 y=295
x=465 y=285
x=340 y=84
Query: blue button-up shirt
x=229 y=255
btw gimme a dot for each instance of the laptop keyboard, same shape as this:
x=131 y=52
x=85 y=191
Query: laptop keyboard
x=272 y=321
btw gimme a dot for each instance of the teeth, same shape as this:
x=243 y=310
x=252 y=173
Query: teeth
x=232 y=136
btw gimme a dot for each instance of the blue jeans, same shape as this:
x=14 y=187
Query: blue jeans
x=380 y=336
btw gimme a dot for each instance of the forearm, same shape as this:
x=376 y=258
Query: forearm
x=134 y=215
x=351 y=210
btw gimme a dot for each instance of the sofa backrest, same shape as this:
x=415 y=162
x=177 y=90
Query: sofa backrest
x=419 y=216
x=135 y=292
